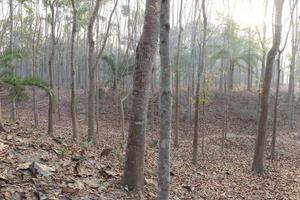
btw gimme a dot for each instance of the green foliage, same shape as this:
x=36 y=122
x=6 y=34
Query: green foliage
x=119 y=67
x=82 y=15
x=234 y=47
x=205 y=94
x=9 y=55
x=17 y=85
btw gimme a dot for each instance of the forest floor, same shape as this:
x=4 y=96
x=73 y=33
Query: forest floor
x=36 y=166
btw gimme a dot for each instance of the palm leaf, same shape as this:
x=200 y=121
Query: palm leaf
x=8 y=55
x=17 y=85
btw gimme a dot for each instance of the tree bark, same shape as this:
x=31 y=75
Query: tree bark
x=11 y=16
x=93 y=66
x=258 y=160
x=92 y=84
x=50 y=69
x=200 y=68
x=134 y=165
x=249 y=74
x=73 y=76
x=166 y=104
x=280 y=51
x=177 y=75
x=35 y=45
x=231 y=74
x=273 y=142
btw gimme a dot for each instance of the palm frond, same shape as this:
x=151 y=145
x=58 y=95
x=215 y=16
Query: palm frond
x=17 y=85
x=8 y=55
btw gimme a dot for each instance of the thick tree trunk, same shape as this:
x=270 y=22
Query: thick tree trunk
x=145 y=54
x=73 y=77
x=166 y=104
x=258 y=159
x=200 y=68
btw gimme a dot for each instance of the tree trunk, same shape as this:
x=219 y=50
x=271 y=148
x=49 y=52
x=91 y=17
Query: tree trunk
x=73 y=77
x=92 y=83
x=35 y=45
x=176 y=143
x=249 y=81
x=11 y=16
x=200 y=68
x=231 y=74
x=192 y=66
x=166 y=104
x=93 y=66
x=263 y=63
x=50 y=70
x=273 y=142
x=258 y=159
x=145 y=54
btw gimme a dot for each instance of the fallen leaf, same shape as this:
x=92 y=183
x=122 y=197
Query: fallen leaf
x=105 y=152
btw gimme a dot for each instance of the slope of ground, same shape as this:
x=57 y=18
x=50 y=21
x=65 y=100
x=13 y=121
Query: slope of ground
x=36 y=166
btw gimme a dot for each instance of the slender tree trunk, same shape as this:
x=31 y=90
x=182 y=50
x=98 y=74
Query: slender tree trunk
x=35 y=45
x=231 y=74
x=192 y=66
x=273 y=142
x=225 y=122
x=294 y=42
x=177 y=75
x=11 y=16
x=92 y=80
x=258 y=159
x=73 y=76
x=249 y=74
x=264 y=44
x=92 y=66
x=200 y=68
x=145 y=54
x=166 y=104
x=50 y=69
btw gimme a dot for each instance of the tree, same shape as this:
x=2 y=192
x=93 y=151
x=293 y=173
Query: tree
x=11 y=16
x=52 y=5
x=177 y=77
x=278 y=63
x=14 y=84
x=241 y=51
x=257 y=165
x=166 y=104
x=73 y=96
x=295 y=47
x=145 y=53
x=35 y=45
x=200 y=69
x=92 y=86
x=93 y=65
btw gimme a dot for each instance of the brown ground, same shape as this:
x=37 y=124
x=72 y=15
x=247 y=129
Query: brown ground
x=94 y=172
